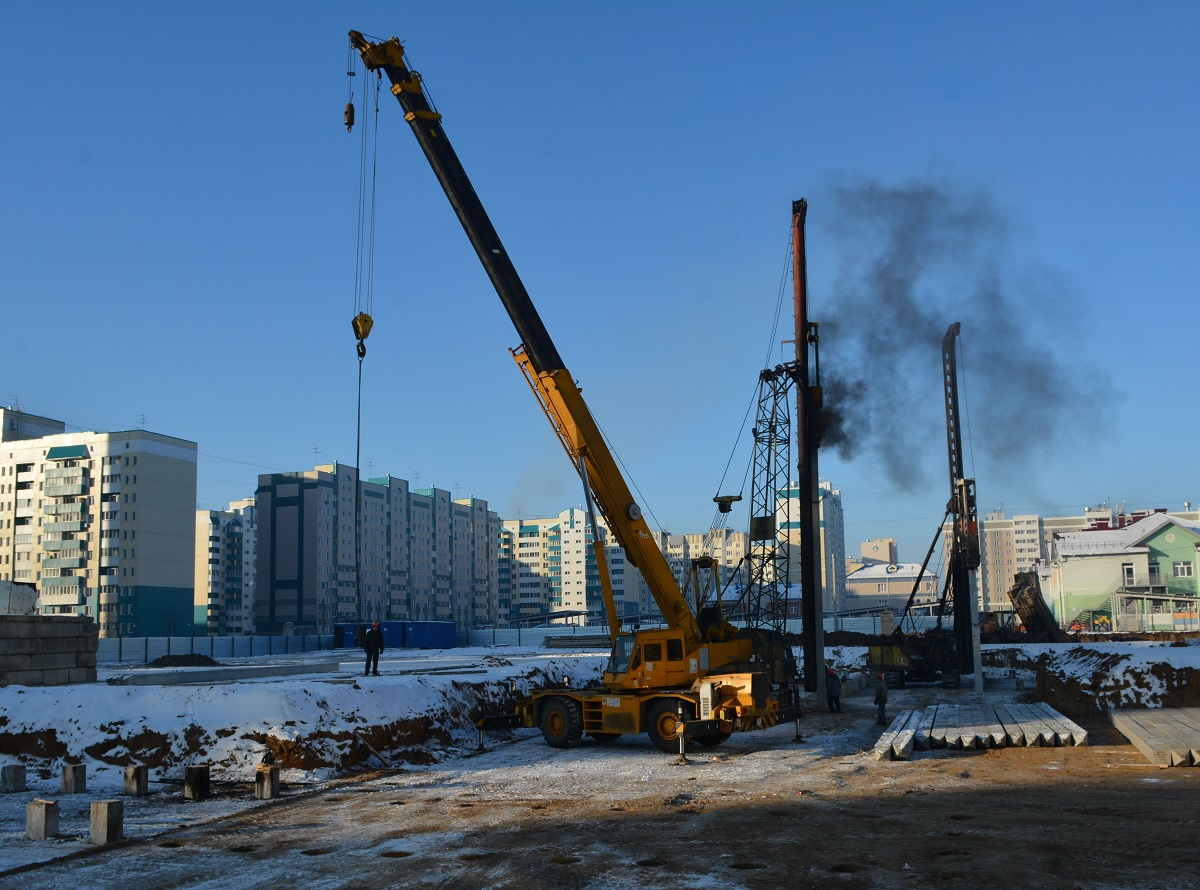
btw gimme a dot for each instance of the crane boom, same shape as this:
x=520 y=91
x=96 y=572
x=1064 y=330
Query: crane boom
x=537 y=356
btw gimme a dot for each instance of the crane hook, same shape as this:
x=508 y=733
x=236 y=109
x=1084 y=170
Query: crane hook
x=362 y=329
x=348 y=116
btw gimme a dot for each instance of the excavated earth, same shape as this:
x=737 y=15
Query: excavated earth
x=761 y=811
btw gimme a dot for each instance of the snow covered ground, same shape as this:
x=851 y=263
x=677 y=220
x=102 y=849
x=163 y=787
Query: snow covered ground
x=418 y=716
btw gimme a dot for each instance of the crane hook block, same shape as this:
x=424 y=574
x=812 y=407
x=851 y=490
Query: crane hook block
x=362 y=328
x=348 y=117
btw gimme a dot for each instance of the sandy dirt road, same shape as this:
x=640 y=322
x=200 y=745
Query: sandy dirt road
x=758 y=812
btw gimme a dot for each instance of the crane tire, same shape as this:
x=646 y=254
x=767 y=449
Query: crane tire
x=562 y=722
x=662 y=719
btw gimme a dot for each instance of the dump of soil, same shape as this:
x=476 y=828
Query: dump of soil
x=759 y=812
x=188 y=660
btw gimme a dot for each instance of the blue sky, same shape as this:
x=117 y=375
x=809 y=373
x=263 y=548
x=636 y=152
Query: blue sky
x=178 y=240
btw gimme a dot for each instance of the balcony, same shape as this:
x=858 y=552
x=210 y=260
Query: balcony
x=71 y=474
x=67 y=525
x=62 y=584
x=66 y=490
x=64 y=562
x=70 y=544
x=60 y=598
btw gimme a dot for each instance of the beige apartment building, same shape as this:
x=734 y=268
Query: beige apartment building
x=102 y=524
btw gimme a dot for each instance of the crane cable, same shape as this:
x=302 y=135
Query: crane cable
x=364 y=292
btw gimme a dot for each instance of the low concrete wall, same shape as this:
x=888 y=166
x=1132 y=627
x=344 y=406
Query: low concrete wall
x=47 y=650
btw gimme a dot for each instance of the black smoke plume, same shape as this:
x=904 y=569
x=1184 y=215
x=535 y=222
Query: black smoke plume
x=915 y=258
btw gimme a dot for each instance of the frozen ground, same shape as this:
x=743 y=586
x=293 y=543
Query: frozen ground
x=417 y=718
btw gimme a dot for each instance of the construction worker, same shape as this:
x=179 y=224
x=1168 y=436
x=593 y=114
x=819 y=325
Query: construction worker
x=373 y=644
x=833 y=691
x=881 y=692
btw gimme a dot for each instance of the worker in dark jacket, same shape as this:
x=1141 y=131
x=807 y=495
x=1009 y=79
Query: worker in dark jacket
x=881 y=698
x=373 y=644
x=833 y=691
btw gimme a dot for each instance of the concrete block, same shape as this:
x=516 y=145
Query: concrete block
x=195 y=783
x=10 y=663
x=266 y=781
x=81 y=675
x=58 y=627
x=74 y=778
x=108 y=821
x=12 y=778
x=90 y=643
x=41 y=819
x=85 y=659
x=22 y=678
x=137 y=779
x=21 y=646
x=59 y=661
x=17 y=626
x=60 y=645
x=57 y=677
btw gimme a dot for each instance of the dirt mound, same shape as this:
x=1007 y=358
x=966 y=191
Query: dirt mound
x=191 y=660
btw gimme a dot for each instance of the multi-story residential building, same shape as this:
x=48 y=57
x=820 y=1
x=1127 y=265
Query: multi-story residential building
x=102 y=524
x=422 y=556
x=1011 y=544
x=553 y=569
x=1137 y=576
x=225 y=568
x=832 y=544
x=727 y=547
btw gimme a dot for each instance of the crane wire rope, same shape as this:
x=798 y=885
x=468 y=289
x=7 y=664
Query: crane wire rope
x=364 y=298
x=718 y=522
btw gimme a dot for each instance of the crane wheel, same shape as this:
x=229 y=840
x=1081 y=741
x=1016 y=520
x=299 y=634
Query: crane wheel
x=562 y=723
x=662 y=720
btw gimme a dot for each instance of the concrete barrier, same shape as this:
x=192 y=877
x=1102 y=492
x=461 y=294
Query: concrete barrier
x=47 y=650
x=74 y=778
x=266 y=781
x=12 y=778
x=221 y=674
x=41 y=819
x=108 y=821
x=137 y=780
x=195 y=783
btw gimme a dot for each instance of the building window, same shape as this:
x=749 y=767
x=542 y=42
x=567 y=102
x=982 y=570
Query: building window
x=1181 y=569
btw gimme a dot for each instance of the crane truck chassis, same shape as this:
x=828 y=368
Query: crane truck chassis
x=699 y=677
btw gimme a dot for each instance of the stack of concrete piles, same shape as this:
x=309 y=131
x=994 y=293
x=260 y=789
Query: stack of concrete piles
x=977 y=726
x=1167 y=736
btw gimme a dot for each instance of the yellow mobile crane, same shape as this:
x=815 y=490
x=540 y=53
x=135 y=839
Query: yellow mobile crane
x=699 y=670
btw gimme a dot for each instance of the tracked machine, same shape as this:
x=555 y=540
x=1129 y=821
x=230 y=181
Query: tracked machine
x=700 y=676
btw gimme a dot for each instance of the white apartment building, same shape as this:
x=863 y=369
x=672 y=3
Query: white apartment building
x=423 y=555
x=832 y=545
x=102 y=524
x=225 y=567
x=552 y=568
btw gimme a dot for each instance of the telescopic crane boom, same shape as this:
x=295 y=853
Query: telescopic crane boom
x=699 y=666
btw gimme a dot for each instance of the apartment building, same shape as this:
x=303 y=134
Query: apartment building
x=1011 y=544
x=552 y=568
x=225 y=568
x=423 y=555
x=832 y=543
x=101 y=523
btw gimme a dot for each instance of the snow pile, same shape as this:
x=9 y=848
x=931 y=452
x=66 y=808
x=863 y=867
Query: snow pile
x=1087 y=680
x=316 y=725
